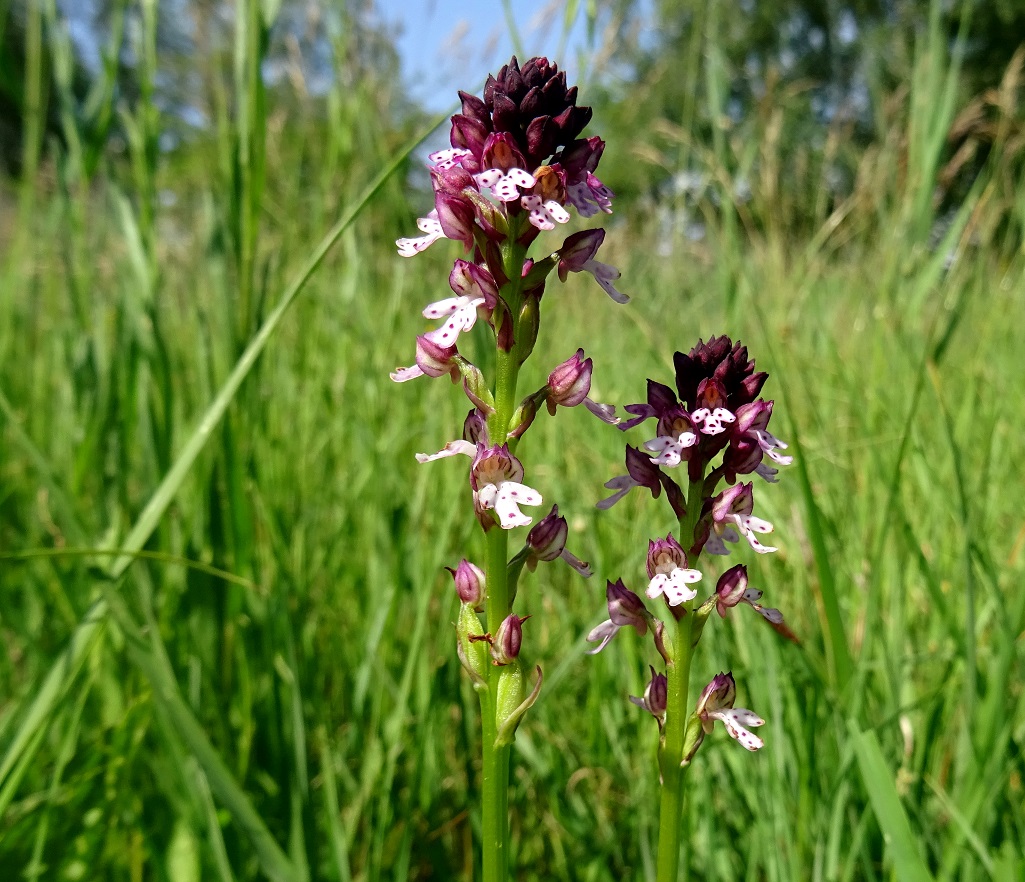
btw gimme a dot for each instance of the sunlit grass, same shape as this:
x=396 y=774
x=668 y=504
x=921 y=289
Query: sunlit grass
x=311 y=719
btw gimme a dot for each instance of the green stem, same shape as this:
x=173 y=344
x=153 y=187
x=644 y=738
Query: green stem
x=671 y=754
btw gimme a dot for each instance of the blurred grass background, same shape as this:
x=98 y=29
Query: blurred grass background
x=264 y=684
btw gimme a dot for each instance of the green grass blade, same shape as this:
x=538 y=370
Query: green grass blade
x=901 y=842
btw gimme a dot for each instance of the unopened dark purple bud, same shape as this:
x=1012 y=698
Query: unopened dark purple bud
x=625 y=607
x=506 y=645
x=547 y=538
x=656 y=695
x=577 y=250
x=469 y=580
x=570 y=382
x=456 y=216
x=730 y=588
x=643 y=470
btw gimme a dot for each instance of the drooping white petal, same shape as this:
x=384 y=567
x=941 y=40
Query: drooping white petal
x=453 y=448
x=735 y=720
x=448 y=158
x=402 y=374
x=429 y=225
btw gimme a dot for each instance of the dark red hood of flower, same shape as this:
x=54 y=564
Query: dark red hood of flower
x=722 y=360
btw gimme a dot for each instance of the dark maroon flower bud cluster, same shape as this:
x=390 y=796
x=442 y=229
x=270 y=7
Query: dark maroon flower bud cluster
x=714 y=423
x=515 y=167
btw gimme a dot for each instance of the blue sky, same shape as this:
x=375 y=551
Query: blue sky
x=447 y=45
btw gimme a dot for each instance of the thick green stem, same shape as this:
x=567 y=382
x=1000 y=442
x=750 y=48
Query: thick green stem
x=495 y=777
x=671 y=758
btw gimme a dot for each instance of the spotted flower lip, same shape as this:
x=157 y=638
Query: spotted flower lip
x=716 y=703
x=495 y=478
x=732 y=509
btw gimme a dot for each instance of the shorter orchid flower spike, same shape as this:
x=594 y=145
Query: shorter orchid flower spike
x=656 y=696
x=668 y=572
x=625 y=609
x=716 y=703
x=546 y=541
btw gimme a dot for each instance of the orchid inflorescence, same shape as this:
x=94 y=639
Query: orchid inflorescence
x=714 y=428
x=516 y=169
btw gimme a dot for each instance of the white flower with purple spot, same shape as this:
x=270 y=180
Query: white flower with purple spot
x=711 y=421
x=544 y=215
x=429 y=225
x=670 y=449
x=505 y=184
x=462 y=313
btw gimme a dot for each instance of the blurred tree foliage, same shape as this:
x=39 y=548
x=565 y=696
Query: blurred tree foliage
x=793 y=90
x=87 y=62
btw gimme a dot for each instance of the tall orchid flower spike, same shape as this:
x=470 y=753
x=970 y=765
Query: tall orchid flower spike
x=516 y=167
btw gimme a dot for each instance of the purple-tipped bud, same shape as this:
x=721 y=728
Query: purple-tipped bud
x=547 y=538
x=577 y=250
x=656 y=697
x=718 y=694
x=547 y=541
x=570 y=382
x=469 y=579
x=625 y=609
x=730 y=589
x=506 y=644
